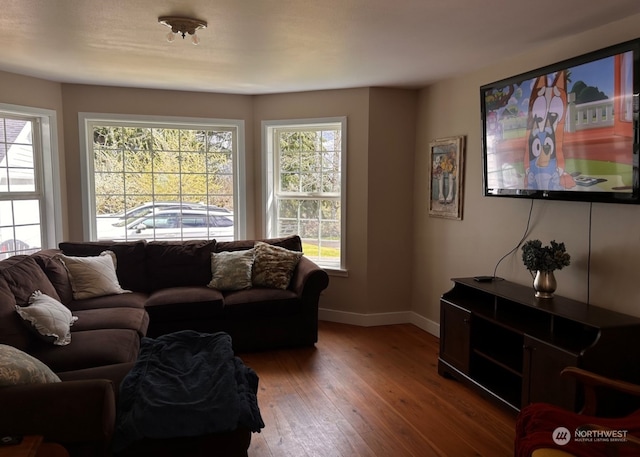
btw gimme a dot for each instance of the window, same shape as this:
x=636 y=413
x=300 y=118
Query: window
x=139 y=170
x=29 y=189
x=305 y=176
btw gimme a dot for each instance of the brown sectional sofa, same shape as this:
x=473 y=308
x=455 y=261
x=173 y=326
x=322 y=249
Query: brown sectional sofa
x=168 y=284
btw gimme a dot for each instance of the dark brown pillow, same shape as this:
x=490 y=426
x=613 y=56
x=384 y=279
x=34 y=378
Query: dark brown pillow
x=292 y=243
x=179 y=263
x=56 y=272
x=24 y=276
x=12 y=330
x=130 y=255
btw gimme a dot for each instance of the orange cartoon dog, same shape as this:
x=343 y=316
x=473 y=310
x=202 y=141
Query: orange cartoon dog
x=544 y=160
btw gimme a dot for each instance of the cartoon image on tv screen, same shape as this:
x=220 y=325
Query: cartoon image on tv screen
x=569 y=130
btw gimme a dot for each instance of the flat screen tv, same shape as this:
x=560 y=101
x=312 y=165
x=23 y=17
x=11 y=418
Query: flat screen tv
x=568 y=131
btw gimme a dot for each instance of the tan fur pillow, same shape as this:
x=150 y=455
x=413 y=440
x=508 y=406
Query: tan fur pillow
x=273 y=266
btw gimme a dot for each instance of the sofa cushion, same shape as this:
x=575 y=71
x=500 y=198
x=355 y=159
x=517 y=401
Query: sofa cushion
x=132 y=300
x=184 y=303
x=273 y=266
x=91 y=348
x=49 y=318
x=231 y=270
x=130 y=259
x=103 y=318
x=259 y=302
x=52 y=266
x=12 y=330
x=17 y=367
x=179 y=263
x=114 y=373
x=292 y=243
x=93 y=276
x=24 y=276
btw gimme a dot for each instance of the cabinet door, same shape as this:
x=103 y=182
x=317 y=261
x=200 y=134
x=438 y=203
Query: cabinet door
x=455 y=336
x=543 y=363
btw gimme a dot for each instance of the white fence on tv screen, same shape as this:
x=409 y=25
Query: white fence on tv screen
x=589 y=115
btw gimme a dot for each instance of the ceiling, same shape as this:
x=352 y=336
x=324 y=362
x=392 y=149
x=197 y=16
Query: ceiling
x=272 y=46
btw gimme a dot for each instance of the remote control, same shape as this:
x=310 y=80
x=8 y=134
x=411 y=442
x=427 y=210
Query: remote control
x=483 y=278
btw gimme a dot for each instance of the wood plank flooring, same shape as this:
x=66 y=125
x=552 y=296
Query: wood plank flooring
x=371 y=391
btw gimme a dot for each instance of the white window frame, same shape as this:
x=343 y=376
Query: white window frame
x=270 y=177
x=46 y=173
x=87 y=120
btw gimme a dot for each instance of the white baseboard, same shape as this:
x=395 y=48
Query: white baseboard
x=425 y=324
x=371 y=320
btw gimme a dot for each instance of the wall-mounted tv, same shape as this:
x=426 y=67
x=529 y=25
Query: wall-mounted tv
x=568 y=131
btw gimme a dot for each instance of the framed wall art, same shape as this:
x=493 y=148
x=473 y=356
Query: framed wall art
x=446 y=166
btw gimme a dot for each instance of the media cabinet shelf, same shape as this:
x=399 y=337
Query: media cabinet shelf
x=505 y=343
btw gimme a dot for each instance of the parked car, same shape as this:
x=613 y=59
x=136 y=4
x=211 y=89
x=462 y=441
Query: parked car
x=149 y=207
x=108 y=224
x=178 y=224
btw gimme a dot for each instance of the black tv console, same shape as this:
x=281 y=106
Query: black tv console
x=505 y=343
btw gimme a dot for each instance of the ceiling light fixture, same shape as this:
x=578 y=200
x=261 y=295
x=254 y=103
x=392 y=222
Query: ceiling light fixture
x=183 y=26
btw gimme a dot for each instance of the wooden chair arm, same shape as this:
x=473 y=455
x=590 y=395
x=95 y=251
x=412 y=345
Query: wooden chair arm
x=591 y=380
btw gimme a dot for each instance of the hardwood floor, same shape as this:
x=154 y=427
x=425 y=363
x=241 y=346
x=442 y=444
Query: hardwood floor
x=375 y=392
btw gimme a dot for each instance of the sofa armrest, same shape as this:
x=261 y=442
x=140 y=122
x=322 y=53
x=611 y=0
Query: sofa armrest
x=308 y=278
x=65 y=412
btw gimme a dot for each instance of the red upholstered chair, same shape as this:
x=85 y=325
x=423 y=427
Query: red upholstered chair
x=544 y=430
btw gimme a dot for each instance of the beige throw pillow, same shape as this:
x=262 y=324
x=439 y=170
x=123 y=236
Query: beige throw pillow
x=273 y=266
x=231 y=270
x=50 y=318
x=17 y=367
x=93 y=276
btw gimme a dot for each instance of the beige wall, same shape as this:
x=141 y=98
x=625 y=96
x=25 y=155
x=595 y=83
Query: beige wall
x=392 y=133
x=99 y=99
x=491 y=227
x=27 y=91
x=380 y=144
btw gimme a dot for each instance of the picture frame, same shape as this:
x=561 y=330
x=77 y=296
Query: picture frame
x=446 y=176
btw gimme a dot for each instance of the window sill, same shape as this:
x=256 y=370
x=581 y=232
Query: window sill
x=336 y=272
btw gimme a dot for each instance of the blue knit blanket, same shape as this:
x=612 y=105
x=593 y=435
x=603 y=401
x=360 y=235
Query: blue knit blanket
x=186 y=384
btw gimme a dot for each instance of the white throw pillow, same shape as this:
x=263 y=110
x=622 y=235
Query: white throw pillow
x=50 y=318
x=93 y=276
x=17 y=367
